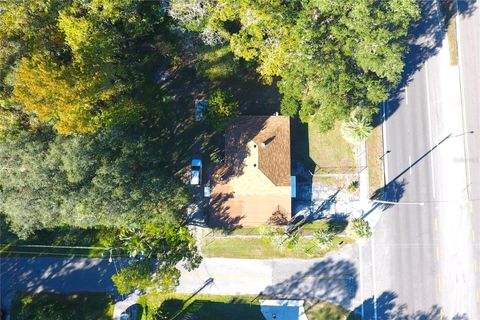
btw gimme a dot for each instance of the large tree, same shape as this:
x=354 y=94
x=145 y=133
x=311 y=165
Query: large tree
x=331 y=56
x=77 y=64
x=114 y=178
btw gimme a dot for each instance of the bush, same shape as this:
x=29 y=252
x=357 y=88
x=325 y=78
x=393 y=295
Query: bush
x=221 y=107
x=324 y=237
x=359 y=229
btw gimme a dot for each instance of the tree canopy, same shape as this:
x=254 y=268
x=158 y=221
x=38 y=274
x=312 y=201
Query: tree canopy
x=114 y=177
x=330 y=56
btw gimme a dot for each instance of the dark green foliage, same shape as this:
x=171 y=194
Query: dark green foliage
x=332 y=56
x=222 y=106
x=160 y=247
x=112 y=178
x=54 y=306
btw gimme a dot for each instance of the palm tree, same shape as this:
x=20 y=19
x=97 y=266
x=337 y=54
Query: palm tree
x=356 y=129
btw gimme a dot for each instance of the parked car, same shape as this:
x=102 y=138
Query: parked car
x=196 y=178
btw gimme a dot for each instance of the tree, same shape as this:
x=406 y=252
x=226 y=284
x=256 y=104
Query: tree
x=74 y=66
x=329 y=55
x=360 y=228
x=161 y=248
x=356 y=129
x=221 y=107
x=112 y=178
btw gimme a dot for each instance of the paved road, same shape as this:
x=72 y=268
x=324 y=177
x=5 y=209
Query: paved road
x=334 y=278
x=423 y=256
x=54 y=275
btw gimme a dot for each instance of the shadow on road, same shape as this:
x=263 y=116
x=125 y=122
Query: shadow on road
x=425 y=40
x=393 y=191
x=55 y=275
x=329 y=280
x=385 y=307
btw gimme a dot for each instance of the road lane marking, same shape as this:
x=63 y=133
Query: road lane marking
x=473 y=235
x=374 y=278
x=430 y=129
x=462 y=98
x=410 y=165
x=361 y=279
x=439 y=285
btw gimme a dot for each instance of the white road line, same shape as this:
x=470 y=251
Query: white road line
x=375 y=316
x=385 y=144
x=429 y=111
x=361 y=279
x=462 y=100
x=410 y=165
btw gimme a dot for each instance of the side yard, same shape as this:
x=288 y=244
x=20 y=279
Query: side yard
x=255 y=244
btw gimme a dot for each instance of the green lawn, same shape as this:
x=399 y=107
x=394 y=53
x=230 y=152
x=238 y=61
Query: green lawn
x=328 y=311
x=54 y=306
x=10 y=244
x=323 y=153
x=330 y=152
x=258 y=248
x=205 y=307
x=374 y=153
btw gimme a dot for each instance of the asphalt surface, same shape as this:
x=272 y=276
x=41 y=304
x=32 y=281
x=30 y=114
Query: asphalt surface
x=55 y=275
x=423 y=258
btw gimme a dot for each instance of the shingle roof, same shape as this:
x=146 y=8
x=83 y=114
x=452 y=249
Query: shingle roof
x=272 y=138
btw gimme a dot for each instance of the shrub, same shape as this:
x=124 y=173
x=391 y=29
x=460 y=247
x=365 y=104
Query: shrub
x=221 y=107
x=360 y=228
x=324 y=237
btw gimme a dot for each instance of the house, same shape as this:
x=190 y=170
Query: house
x=283 y=309
x=253 y=184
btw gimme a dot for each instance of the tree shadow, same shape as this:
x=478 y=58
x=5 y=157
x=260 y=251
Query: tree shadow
x=53 y=274
x=219 y=216
x=328 y=280
x=385 y=307
x=425 y=40
x=239 y=133
x=302 y=165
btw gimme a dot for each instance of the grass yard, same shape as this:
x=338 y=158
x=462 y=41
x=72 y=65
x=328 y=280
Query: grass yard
x=10 y=244
x=258 y=248
x=374 y=153
x=328 y=311
x=329 y=151
x=81 y=306
x=447 y=7
x=205 y=307
x=326 y=154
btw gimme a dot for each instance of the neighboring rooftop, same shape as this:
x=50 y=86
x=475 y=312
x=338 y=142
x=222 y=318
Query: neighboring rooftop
x=254 y=181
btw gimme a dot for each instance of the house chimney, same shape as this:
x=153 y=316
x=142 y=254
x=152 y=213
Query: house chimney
x=263 y=144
